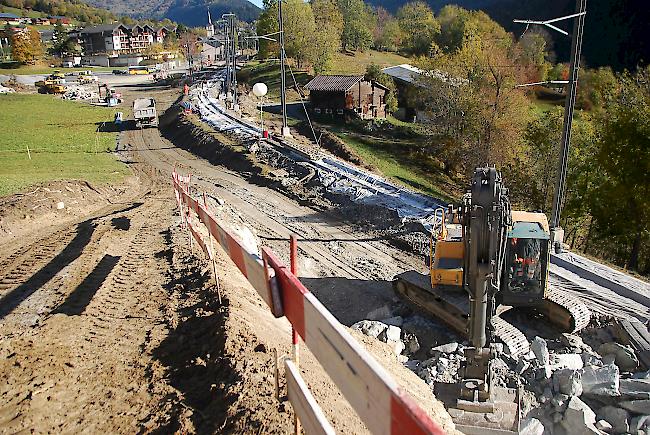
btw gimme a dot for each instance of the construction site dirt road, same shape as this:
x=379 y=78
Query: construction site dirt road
x=110 y=320
x=109 y=323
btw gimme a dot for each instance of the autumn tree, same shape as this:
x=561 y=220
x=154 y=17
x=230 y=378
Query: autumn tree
x=387 y=34
x=470 y=98
x=267 y=23
x=327 y=35
x=622 y=209
x=26 y=46
x=419 y=28
x=299 y=29
x=356 y=25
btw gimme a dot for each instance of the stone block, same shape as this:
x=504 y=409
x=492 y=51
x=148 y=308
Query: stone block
x=600 y=381
x=625 y=358
x=540 y=349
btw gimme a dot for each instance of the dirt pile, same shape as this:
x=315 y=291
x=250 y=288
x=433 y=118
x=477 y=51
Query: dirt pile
x=56 y=202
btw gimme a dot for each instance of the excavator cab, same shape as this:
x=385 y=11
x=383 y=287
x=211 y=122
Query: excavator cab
x=524 y=278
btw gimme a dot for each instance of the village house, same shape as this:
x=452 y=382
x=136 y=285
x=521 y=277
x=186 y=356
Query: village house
x=341 y=94
x=211 y=51
x=408 y=81
x=55 y=19
x=115 y=39
x=11 y=19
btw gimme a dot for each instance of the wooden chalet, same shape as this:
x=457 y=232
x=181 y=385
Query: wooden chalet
x=340 y=94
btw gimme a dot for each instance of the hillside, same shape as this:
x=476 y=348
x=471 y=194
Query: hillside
x=614 y=29
x=188 y=12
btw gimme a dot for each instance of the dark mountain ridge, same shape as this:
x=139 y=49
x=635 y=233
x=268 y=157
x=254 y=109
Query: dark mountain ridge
x=188 y=12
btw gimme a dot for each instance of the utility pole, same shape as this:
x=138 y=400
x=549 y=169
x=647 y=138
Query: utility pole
x=574 y=68
x=557 y=233
x=234 y=63
x=283 y=96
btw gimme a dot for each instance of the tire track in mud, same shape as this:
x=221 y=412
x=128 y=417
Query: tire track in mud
x=86 y=363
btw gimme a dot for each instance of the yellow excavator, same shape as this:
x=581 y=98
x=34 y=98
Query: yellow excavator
x=487 y=260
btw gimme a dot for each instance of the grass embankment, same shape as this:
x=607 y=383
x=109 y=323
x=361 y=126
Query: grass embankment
x=401 y=156
x=62 y=138
x=356 y=63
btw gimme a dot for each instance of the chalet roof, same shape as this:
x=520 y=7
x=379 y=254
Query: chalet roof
x=333 y=83
x=7 y=16
x=405 y=72
x=101 y=29
x=412 y=75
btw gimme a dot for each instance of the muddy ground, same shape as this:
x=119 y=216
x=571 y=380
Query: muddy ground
x=110 y=322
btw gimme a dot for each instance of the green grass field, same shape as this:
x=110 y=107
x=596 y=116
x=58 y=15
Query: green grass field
x=22 y=12
x=62 y=140
x=356 y=63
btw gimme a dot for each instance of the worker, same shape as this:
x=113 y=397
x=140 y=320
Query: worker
x=525 y=266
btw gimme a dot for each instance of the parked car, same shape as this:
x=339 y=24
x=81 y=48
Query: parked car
x=120 y=72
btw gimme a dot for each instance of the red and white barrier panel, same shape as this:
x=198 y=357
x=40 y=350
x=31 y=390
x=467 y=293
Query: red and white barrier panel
x=262 y=278
x=382 y=405
x=311 y=416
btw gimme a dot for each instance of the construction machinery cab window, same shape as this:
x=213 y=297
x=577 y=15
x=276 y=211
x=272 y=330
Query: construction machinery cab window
x=525 y=258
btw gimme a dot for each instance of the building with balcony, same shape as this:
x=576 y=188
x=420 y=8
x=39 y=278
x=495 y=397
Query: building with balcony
x=116 y=39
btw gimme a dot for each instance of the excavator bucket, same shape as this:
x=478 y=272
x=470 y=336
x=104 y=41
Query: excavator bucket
x=500 y=414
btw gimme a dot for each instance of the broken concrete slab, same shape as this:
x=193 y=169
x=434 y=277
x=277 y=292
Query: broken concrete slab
x=600 y=381
x=371 y=328
x=635 y=388
x=398 y=346
x=617 y=417
x=641 y=407
x=391 y=333
x=566 y=361
x=579 y=419
x=625 y=358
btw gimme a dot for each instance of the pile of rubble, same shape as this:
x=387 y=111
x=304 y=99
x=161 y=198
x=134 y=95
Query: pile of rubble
x=570 y=386
x=80 y=93
x=574 y=390
x=6 y=90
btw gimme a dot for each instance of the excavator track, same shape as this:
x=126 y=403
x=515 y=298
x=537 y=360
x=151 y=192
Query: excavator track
x=452 y=307
x=565 y=310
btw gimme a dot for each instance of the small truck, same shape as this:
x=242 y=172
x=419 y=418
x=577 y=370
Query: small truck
x=144 y=112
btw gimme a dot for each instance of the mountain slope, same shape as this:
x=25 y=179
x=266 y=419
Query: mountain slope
x=188 y=12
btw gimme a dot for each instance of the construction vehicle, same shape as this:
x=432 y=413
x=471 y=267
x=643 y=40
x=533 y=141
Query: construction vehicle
x=51 y=85
x=86 y=77
x=488 y=259
x=144 y=112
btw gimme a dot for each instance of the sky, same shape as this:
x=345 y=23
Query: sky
x=256 y=2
